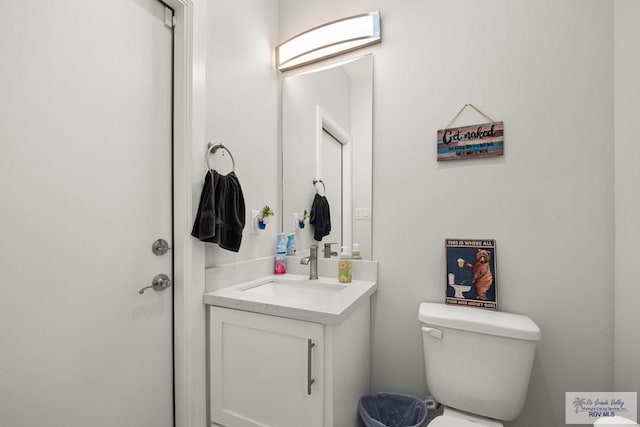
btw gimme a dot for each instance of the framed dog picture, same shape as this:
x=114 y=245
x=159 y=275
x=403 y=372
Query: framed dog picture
x=471 y=273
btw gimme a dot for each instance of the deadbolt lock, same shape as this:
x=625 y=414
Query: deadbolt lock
x=160 y=247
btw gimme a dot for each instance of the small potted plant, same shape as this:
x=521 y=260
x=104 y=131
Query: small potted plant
x=305 y=216
x=265 y=216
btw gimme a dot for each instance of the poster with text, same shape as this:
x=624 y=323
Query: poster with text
x=471 y=273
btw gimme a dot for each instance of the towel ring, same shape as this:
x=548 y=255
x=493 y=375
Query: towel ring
x=213 y=147
x=315 y=181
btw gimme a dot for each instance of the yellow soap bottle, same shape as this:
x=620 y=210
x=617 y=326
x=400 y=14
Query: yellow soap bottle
x=344 y=266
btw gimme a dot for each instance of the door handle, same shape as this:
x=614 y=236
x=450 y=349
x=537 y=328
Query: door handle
x=159 y=283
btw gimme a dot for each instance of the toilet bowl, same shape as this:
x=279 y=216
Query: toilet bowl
x=614 y=421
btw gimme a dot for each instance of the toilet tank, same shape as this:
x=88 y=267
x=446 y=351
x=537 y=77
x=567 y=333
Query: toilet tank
x=476 y=360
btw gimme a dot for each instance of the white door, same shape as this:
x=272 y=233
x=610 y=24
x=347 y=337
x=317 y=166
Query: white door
x=85 y=188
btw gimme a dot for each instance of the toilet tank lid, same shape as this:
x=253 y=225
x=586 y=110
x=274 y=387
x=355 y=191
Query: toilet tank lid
x=498 y=323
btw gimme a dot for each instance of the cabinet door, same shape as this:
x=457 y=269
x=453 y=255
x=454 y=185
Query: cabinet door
x=266 y=371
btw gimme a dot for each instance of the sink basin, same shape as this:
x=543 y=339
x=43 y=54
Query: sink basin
x=296 y=289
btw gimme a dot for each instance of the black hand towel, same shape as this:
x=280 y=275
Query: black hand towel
x=320 y=218
x=221 y=213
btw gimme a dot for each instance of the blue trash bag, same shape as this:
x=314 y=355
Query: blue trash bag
x=392 y=410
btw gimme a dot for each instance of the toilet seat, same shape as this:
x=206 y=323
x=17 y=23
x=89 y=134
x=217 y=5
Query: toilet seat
x=446 y=421
x=615 y=421
x=455 y=418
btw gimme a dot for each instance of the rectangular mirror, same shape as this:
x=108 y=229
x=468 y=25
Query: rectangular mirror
x=327 y=126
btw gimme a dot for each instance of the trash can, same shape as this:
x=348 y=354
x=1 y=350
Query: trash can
x=392 y=410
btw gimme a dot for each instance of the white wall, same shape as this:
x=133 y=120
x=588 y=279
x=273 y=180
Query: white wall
x=627 y=198
x=545 y=69
x=242 y=111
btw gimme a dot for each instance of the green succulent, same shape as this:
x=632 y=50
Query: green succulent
x=267 y=211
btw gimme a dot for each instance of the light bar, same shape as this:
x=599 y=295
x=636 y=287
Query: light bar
x=328 y=40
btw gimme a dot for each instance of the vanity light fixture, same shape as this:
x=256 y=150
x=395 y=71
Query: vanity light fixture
x=328 y=40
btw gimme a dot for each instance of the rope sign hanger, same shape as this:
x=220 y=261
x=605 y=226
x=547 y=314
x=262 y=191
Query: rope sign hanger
x=462 y=109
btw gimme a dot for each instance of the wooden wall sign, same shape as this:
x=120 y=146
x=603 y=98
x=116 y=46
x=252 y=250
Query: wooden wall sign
x=471 y=142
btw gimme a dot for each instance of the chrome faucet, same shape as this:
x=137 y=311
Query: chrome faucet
x=327 y=250
x=312 y=261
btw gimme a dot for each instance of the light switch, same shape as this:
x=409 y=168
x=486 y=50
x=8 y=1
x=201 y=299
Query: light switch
x=363 y=213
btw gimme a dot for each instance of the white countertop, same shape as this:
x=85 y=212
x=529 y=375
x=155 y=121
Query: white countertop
x=329 y=310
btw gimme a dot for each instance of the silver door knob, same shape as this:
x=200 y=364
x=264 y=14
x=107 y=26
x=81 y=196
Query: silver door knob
x=159 y=283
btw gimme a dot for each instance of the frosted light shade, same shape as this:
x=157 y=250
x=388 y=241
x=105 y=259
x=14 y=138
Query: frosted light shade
x=331 y=39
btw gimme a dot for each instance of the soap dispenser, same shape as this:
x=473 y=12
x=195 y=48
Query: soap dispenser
x=355 y=253
x=291 y=244
x=344 y=266
x=281 y=255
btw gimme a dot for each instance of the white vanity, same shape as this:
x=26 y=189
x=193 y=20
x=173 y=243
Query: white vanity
x=286 y=351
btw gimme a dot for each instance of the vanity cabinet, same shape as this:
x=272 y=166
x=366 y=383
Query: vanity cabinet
x=269 y=371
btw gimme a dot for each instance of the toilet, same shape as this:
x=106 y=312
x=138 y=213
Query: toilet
x=459 y=290
x=477 y=363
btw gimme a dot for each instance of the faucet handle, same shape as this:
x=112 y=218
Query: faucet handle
x=327 y=249
x=313 y=251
